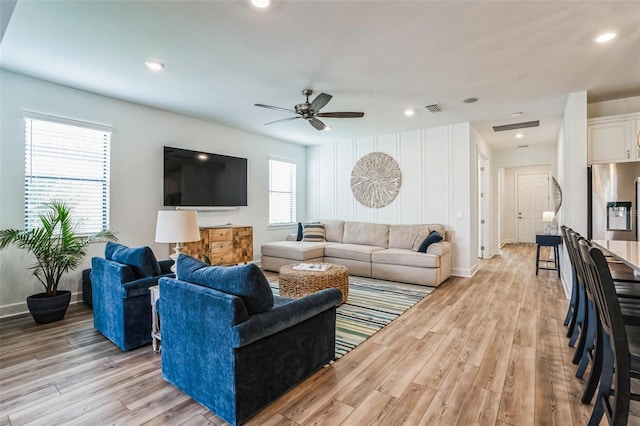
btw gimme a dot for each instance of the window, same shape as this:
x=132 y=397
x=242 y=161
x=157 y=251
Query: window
x=282 y=192
x=67 y=161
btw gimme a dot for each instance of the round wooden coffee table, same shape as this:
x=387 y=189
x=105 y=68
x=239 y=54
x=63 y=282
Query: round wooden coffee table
x=298 y=283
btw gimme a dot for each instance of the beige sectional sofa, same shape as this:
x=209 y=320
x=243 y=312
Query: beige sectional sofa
x=369 y=250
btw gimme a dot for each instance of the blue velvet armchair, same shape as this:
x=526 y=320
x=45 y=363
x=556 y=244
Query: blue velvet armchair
x=120 y=293
x=232 y=345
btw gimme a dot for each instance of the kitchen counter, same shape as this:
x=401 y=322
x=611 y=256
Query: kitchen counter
x=626 y=251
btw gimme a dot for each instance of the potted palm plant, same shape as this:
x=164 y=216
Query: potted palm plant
x=58 y=248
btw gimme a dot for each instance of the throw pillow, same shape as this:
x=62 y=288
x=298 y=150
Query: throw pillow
x=422 y=235
x=299 y=236
x=245 y=281
x=141 y=260
x=433 y=237
x=313 y=232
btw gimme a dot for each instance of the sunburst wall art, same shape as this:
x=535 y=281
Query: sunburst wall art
x=376 y=180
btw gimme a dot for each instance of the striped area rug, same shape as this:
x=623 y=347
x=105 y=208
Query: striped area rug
x=372 y=304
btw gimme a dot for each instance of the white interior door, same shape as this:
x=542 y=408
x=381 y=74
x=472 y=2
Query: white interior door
x=532 y=199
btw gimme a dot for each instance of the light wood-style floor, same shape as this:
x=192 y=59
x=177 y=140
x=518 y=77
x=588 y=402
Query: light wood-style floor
x=487 y=350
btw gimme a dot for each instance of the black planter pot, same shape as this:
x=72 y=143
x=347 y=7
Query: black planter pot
x=45 y=309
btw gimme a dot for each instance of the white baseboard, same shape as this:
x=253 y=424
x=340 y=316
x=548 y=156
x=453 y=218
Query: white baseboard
x=465 y=273
x=502 y=244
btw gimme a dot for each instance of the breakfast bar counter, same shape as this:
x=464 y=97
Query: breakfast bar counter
x=628 y=252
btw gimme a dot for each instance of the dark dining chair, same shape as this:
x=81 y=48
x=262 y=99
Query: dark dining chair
x=577 y=303
x=614 y=362
x=572 y=311
x=586 y=322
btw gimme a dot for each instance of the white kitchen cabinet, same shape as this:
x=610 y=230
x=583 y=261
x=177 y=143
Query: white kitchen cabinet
x=614 y=139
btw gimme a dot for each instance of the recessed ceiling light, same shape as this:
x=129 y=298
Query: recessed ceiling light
x=516 y=114
x=203 y=157
x=261 y=3
x=519 y=135
x=154 y=65
x=470 y=100
x=409 y=112
x=326 y=128
x=603 y=38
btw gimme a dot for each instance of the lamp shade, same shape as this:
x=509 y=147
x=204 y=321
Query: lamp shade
x=177 y=226
x=548 y=216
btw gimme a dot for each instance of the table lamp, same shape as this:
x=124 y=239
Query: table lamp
x=177 y=226
x=548 y=217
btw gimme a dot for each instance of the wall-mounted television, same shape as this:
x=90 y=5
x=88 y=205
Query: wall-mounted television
x=203 y=179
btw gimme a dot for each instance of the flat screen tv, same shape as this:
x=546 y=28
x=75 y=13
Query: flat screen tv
x=202 y=179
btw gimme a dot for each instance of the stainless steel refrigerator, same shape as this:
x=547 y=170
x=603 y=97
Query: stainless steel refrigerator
x=613 y=198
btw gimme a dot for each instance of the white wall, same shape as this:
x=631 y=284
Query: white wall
x=572 y=174
x=614 y=107
x=139 y=133
x=438 y=168
x=524 y=157
x=573 y=144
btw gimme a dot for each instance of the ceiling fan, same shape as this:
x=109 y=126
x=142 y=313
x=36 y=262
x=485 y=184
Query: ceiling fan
x=310 y=111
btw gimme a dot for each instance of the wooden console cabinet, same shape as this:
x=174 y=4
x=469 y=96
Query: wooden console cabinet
x=226 y=245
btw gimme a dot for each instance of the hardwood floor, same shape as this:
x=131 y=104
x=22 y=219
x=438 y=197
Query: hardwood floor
x=487 y=350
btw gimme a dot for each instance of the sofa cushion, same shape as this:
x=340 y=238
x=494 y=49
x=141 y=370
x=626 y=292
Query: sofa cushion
x=420 y=239
x=433 y=237
x=368 y=234
x=245 y=281
x=313 y=232
x=403 y=236
x=334 y=230
x=141 y=260
x=351 y=251
x=406 y=257
x=294 y=250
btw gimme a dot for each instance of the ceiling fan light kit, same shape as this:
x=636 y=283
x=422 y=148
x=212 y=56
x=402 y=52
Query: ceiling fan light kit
x=311 y=110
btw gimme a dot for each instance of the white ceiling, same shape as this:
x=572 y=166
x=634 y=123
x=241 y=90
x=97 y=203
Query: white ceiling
x=379 y=57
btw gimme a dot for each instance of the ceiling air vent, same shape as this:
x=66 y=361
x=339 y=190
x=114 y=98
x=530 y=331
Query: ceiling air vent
x=434 y=108
x=515 y=126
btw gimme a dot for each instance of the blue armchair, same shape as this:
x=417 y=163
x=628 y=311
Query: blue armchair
x=120 y=293
x=233 y=346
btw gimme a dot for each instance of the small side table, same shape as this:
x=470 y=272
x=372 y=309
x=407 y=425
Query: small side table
x=298 y=283
x=548 y=240
x=154 y=292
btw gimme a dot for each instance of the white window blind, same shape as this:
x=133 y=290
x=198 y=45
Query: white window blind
x=69 y=163
x=282 y=192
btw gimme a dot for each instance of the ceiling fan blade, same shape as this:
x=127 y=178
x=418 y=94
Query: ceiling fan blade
x=284 y=119
x=320 y=101
x=319 y=125
x=341 y=114
x=274 y=107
